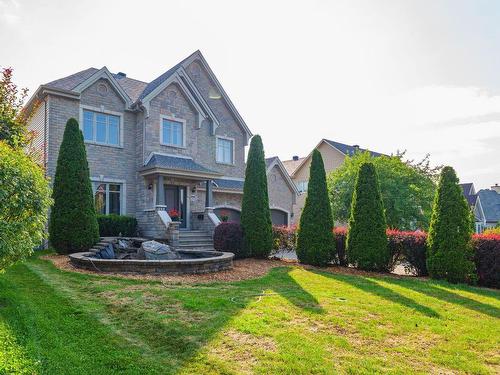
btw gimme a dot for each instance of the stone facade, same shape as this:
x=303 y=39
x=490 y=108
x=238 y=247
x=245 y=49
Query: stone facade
x=140 y=136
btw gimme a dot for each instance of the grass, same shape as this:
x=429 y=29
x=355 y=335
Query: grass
x=290 y=321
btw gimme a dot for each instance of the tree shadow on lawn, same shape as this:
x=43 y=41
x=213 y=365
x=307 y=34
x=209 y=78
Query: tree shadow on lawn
x=372 y=287
x=437 y=290
x=134 y=326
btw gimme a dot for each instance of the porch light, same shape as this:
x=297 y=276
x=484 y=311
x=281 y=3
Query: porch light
x=214 y=94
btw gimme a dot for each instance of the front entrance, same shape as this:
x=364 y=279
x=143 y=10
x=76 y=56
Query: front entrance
x=176 y=197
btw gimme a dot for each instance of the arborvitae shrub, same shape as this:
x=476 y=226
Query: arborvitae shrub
x=255 y=213
x=315 y=243
x=73 y=225
x=449 y=252
x=366 y=239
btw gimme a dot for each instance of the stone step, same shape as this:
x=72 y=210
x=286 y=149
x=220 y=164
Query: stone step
x=191 y=234
x=196 y=239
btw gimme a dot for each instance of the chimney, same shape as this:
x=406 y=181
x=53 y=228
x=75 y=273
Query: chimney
x=295 y=158
x=121 y=75
x=496 y=187
x=356 y=147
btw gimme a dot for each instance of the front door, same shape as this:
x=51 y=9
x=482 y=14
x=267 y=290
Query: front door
x=176 y=197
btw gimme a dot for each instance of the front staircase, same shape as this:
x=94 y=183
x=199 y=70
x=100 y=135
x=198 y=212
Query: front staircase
x=195 y=240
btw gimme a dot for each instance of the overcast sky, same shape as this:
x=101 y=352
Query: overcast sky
x=417 y=75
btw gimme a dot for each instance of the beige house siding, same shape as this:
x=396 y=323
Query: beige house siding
x=332 y=159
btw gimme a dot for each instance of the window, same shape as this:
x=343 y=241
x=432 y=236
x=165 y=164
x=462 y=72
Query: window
x=172 y=133
x=107 y=198
x=225 y=150
x=302 y=186
x=101 y=128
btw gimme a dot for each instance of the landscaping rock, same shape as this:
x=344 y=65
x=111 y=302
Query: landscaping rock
x=153 y=250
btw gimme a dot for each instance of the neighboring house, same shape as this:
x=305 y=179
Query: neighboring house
x=333 y=154
x=175 y=142
x=485 y=204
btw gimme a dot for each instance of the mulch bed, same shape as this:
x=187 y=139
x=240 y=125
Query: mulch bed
x=243 y=269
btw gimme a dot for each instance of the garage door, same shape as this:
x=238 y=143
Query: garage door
x=279 y=217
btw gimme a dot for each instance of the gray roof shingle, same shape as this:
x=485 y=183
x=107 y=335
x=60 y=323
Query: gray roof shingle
x=229 y=184
x=177 y=163
x=350 y=150
x=490 y=202
x=73 y=80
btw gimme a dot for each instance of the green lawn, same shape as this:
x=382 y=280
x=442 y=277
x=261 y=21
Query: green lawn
x=290 y=321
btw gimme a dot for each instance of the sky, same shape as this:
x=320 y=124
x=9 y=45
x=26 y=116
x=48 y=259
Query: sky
x=421 y=76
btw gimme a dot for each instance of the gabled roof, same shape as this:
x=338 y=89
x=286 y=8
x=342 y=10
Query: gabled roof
x=490 y=203
x=350 y=150
x=295 y=165
x=468 y=191
x=275 y=161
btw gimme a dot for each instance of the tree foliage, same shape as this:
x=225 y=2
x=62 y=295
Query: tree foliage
x=13 y=119
x=407 y=189
x=255 y=213
x=73 y=225
x=366 y=238
x=24 y=202
x=315 y=243
x=449 y=252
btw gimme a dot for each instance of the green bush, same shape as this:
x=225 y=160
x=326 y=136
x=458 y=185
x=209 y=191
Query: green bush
x=366 y=238
x=117 y=225
x=24 y=201
x=73 y=225
x=449 y=251
x=255 y=213
x=315 y=243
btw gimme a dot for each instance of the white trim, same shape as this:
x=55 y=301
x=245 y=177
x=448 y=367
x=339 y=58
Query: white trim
x=173 y=119
x=164 y=217
x=217 y=137
x=123 y=191
x=104 y=73
x=232 y=178
x=106 y=112
x=198 y=56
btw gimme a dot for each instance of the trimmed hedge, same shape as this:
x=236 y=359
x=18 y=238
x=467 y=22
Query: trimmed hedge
x=487 y=259
x=255 y=213
x=117 y=225
x=367 y=239
x=229 y=237
x=410 y=247
x=449 y=251
x=315 y=244
x=73 y=224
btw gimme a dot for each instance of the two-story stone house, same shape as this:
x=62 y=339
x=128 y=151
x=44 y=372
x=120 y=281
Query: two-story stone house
x=175 y=142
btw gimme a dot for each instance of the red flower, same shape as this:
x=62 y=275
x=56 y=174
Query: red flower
x=173 y=213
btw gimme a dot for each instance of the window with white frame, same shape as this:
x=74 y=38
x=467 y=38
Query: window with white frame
x=172 y=133
x=225 y=148
x=302 y=186
x=108 y=198
x=101 y=128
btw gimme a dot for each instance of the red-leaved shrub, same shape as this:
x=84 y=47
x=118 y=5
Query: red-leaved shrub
x=410 y=248
x=340 y=236
x=487 y=259
x=284 y=238
x=229 y=237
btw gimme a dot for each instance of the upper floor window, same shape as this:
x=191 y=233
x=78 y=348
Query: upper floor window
x=225 y=150
x=107 y=198
x=302 y=186
x=172 y=132
x=101 y=128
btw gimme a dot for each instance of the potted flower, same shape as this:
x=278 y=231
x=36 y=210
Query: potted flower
x=174 y=214
x=224 y=216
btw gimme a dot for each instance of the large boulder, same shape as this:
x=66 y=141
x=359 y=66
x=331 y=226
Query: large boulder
x=153 y=250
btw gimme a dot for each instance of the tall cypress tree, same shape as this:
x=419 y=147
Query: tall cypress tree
x=367 y=239
x=449 y=250
x=73 y=224
x=255 y=213
x=315 y=243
